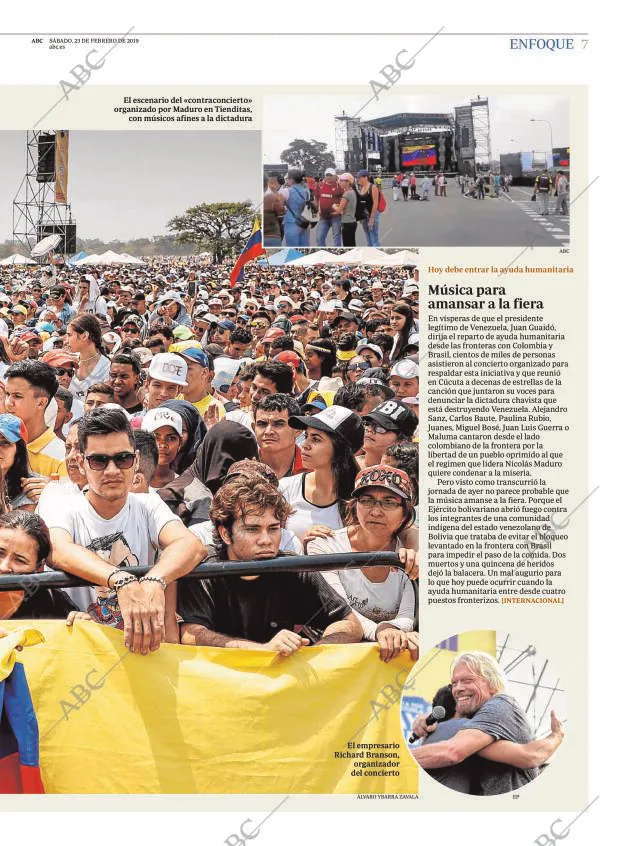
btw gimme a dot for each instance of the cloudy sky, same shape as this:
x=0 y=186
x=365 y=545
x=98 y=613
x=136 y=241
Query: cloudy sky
x=287 y=117
x=130 y=184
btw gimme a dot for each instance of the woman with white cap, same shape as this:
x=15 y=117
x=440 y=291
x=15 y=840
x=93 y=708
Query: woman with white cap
x=347 y=208
x=167 y=426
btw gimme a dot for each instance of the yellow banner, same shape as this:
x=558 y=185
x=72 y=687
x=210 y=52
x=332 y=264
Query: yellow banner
x=62 y=165
x=222 y=721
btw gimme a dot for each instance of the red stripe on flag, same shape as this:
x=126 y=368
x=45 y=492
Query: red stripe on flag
x=252 y=249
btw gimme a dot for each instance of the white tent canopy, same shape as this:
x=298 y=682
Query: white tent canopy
x=403 y=257
x=320 y=257
x=359 y=255
x=16 y=258
x=109 y=257
x=132 y=259
x=87 y=260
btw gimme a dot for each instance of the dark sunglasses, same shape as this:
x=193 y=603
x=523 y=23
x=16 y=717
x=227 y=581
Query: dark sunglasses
x=64 y=371
x=129 y=331
x=374 y=427
x=99 y=461
x=360 y=366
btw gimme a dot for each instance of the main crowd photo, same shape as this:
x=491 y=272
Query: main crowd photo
x=163 y=416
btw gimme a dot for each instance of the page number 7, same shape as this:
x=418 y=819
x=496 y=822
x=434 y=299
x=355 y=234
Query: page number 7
x=584 y=43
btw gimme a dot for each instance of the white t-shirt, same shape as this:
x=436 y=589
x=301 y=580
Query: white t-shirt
x=79 y=388
x=129 y=539
x=241 y=416
x=372 y=602
x=288 y=543
x=77 y=411
x=306 y=514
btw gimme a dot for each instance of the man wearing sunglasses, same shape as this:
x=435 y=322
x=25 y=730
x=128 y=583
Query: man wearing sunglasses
x=64 y=365
x=100 y=535
x=391 y=422
x=130 y=330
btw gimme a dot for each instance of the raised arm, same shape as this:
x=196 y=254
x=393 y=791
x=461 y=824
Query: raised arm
x=526 y=755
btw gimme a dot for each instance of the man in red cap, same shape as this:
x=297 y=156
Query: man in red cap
x=64 y=365
x=270 y=336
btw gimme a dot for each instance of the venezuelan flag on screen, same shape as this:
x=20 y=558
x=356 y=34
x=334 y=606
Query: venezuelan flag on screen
x=423 y=155
x=252 y=250
x=19 y=730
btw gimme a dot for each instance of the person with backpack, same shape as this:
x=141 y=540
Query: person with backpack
x=296 y=230
x=542 y=190
x=369 y=202
x=347 y=209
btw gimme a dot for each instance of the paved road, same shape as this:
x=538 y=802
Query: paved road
x=456 y=221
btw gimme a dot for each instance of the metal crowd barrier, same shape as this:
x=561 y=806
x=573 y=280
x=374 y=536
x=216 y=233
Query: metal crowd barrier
x=284 y=564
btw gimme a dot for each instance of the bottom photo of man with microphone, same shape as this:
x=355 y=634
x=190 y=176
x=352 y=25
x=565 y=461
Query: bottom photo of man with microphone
x=483 y=715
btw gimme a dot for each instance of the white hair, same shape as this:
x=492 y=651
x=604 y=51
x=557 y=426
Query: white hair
x=485 y=666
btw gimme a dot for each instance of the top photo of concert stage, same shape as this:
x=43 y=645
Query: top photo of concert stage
x=453 y=170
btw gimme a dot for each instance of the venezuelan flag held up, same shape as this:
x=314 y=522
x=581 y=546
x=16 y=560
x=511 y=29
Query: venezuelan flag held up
x=252 y=249
x=19 y=731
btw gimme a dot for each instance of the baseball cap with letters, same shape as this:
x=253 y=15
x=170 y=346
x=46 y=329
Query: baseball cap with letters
x=335 y=420
x=395 y=416
x=383 y=476
x=158 y=417
x=169 y=368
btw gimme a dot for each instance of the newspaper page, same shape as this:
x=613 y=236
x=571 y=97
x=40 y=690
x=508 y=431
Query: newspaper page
x=362 y=260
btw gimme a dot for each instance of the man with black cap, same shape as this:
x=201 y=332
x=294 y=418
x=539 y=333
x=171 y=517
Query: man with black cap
x=57 y=300
x=390 y=422
x=221 y=334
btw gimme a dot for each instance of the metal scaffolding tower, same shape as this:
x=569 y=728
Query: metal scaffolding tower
x=482 y=133
x=36 y=211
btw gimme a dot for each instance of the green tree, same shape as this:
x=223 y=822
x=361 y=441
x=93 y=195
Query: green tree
x=219 y=228
x=312 y=156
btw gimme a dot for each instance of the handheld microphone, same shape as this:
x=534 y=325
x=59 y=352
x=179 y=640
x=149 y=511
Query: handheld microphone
x=438 y=713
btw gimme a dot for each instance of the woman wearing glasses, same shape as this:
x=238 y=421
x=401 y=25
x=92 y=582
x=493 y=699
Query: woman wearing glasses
x=355 y=369
x=84 y=336
x=383 y=599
